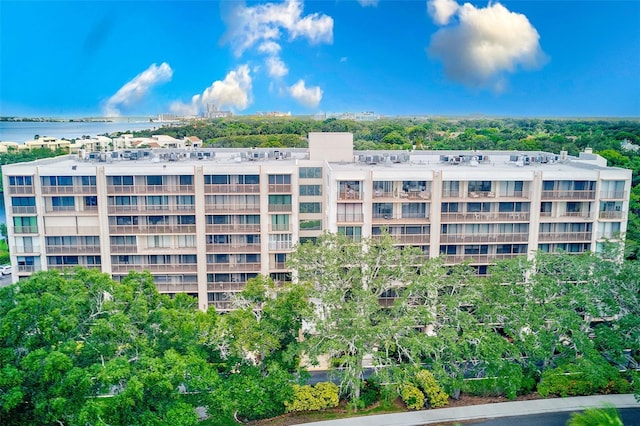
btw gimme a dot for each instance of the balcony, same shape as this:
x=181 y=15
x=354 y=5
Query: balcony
x=481 y=194
x=124 y=248
x=28 y=269
x=150 y=189
x=232 y=189
x=407 y=238
x=221 y=305
x=478 y=258
x=233 y=228
x=233 y=248
x=612 y=195
x=280 y=227
x=568 y=195
x=520 y=237
x=21 y=190
x=234 y=267
x=277 y=266
x=610 y=214
x=564 y=236
x=72 y=249
x=450 y=193
x=70 y=189
x=279 y=188
x=177 y=288
x=152 y=229
x=280 y=207
x=25 y=250
x=349 y=195
x=235 y=208
x=225 y=286
x=82 y=265
x=27 y=229
x=23 y=209
x=60 y=209
x=156 y=268
x=350 y=218
x=70 y=230
x=485 y=217
x=280 y=245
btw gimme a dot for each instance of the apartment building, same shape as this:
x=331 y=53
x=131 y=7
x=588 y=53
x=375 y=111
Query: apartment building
x=204 y=221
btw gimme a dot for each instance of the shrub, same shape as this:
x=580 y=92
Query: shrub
x=412 y=397
x=605 y=416
x=370 y=392
x=312 y=398
x=584 y=376
x=432 y=390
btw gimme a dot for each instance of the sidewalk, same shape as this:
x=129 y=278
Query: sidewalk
x=487 y=411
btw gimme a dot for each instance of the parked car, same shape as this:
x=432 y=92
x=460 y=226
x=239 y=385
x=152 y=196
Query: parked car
x=5 y=270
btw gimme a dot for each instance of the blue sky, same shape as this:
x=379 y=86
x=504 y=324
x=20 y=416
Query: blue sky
x=436 y=57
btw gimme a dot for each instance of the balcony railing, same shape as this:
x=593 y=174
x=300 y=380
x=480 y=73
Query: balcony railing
x=83 y=265
x=450 y=193
x=233 y=208
x=150 y=189
x=23 y=209
x=610 y=214
x=481 y=194
x=220 y=305
x=21 y=190
x=28 y=229
x=152 y=229
x=568 y=195
x=223 y=286
x=564 y=236
x=124 y=248
x=280 y=188
x=70 y=230
x=25 y=250
x=350 y=217
x=233 y=228
x=233 y=248
x=279 y=227
x=72 y=249
x=60 y=209
x=70 y=189
x=177 y=288
x=279 y=207
x=485 y=217
x=165 y=267
x=407 y=238
x=280 y=245
x=234 y=267
x=478 y=258
x=520 y=237
x=350 y=195
x=612 y=195
x=28 y=269
x=277 y=265
x=232 y=189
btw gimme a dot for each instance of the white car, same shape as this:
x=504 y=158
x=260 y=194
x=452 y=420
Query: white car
x=5 y=270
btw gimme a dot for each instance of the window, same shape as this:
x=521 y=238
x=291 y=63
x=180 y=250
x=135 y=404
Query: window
x=478 y=207
x=449 y=207
x=310 y=172
x=158 y=241
x=353 y=232
x=23 y=201
x=308 y=225
x=123 y=240
x=90 y=201
x=126 y=220
x=62 y=202
x=186 y=180
x=310 y=208
x=158 y=220
x=154 y=180
x=216 y=179
x=479 y=185
x=279 y=179
x=450 y=188
x=186 y=240
x=124 y=200
x=187 y=220
x=20 y=180
x=185 y=200
x=249 y=179
x=448 y=249
x=280 y=242
x=383 y=210
x=88 y=180
x=310 y=190
x=414 y=210
x=279 y=200
x=476 y=249
x=26 y=224
x=122 y=180
x=57 y=180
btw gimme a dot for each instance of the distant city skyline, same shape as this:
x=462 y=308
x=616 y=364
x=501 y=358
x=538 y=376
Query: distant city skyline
x=436 y=57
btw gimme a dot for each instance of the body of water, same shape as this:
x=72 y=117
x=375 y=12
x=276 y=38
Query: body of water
x=22 y=131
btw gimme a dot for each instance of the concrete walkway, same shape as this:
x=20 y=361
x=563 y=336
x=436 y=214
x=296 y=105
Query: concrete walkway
x=487 y=411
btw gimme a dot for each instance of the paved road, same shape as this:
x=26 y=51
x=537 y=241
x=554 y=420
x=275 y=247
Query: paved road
x=488 y=411
x=630 y=417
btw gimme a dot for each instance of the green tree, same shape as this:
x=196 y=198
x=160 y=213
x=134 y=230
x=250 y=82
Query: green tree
x=347 y=280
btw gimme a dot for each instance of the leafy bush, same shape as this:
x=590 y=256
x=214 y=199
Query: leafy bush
x=312 y=398
x=584 y=376
x=412 y=397
x=432 y=390
x=605 y=416
x=370 y=392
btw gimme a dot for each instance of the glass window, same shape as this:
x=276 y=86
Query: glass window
x=88 y=180
x=310 y=208
x=23 y=201
x=62 y=201
x=154 y=180
x=310 y=172
x=279 y=179
x=308 y=225
x=186 y=180
x=310 y=190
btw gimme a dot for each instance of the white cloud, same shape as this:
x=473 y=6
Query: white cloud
x=276 y=68
x=484 y=44
x=137 y=88
x=265 y=22
x=365 y=3
x=442 y=10
x=310 y=97
x=234 y=92
x=269 y=47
